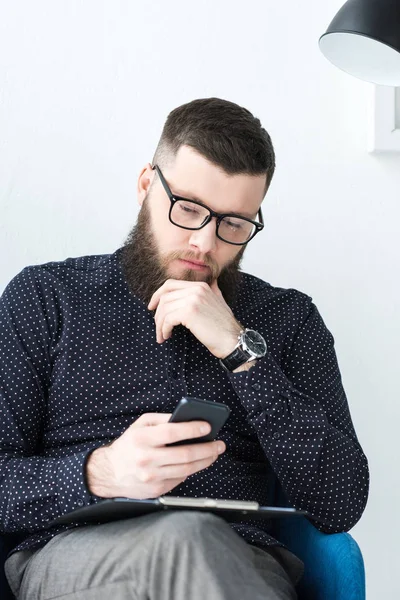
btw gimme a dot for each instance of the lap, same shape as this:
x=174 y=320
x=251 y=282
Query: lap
x=121 y=557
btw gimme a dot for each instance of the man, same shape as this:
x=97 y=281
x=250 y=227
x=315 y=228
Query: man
x=96 y=352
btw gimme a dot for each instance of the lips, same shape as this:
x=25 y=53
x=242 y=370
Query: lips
x=194 y=264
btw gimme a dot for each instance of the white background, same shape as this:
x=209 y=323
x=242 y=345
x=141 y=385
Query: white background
x=85 y=88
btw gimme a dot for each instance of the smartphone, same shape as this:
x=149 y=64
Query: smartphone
x=194 y=409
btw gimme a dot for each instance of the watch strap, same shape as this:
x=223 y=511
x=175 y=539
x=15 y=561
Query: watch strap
x=235 y=359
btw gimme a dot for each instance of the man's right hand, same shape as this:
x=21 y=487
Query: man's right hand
x=139 y=465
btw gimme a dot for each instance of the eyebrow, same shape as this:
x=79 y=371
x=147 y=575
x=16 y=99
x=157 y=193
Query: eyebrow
x=196 y=199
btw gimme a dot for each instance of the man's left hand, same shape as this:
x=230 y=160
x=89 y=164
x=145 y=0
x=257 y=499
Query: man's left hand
x=199 y=307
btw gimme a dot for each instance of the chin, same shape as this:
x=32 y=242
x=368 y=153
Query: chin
x=188 y=275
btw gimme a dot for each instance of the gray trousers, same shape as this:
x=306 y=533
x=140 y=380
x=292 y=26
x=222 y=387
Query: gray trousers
x=178 y=555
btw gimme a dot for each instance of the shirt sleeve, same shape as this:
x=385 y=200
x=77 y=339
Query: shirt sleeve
x=33 y=488
x=300 y=412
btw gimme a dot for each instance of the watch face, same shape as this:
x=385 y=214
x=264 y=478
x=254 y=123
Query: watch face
x=255 y=342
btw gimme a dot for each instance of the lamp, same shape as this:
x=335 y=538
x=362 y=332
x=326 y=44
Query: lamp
x=364 y=40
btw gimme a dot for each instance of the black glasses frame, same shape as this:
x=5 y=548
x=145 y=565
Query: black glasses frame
x=219 y=216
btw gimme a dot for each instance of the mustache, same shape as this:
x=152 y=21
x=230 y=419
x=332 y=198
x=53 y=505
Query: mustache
x=192 y=256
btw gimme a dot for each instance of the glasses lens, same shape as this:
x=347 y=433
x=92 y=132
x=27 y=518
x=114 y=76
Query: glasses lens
x=236 y=230
x=188 y=214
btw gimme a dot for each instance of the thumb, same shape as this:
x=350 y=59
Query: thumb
x=149 y=419
x=215 y=288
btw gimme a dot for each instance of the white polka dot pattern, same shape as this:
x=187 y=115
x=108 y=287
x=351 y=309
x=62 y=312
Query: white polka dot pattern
x=79 y=363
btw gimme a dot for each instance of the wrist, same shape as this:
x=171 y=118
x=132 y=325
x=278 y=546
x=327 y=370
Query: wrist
x=230 y=341
x=246 y=366
x=99 y=474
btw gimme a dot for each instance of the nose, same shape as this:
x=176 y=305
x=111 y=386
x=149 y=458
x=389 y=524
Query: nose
x=205 y=239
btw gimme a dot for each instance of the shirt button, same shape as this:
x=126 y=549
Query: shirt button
x=276 y=435
x=174 y=374
x=256 y=386
x=80 y=502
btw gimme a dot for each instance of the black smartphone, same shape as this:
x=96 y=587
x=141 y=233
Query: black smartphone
x=194 y=409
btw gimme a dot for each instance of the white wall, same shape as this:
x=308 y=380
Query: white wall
x=85 y=88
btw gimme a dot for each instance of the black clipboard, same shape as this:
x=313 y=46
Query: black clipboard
x=114 y=509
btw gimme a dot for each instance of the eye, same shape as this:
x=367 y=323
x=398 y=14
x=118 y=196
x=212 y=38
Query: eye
x=188 y=208
x=233 y=224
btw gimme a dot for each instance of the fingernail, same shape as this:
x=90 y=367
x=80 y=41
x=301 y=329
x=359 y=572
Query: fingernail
x=221 y=448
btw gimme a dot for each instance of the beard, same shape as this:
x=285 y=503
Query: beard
x=145 y=270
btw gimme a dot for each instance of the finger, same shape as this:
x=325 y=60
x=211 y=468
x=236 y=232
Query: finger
x=186 y=454
x=185 y=470
x=169 y=286
x=174 y=295
x=165 y=319
x=148 y=419
x=184 y=300
x=169 y=433
x=164 y=305
x=174 y=316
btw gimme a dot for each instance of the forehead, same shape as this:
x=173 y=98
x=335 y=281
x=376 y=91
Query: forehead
x=194 y=177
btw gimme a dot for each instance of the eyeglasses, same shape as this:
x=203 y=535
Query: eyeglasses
x=190 y=214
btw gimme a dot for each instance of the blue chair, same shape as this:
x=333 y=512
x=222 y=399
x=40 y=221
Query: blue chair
x=334 y=568
x=333 y=563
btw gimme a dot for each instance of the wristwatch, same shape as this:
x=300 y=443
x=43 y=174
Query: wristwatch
x=251 y=345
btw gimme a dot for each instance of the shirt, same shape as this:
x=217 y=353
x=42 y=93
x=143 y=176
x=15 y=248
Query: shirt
x=79 y=362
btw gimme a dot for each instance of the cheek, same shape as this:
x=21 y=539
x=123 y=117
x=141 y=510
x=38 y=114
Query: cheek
x=230 y=253
x=168 y=236
x=224 y=256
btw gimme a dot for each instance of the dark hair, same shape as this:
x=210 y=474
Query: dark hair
x=225 y=133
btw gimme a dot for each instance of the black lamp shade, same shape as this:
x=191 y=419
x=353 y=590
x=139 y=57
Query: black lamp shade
x=364 y=40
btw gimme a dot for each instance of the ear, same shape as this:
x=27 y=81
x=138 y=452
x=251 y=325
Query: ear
x=144 y=181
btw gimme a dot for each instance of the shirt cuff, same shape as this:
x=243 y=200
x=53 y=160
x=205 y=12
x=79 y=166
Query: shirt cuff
x=262 y=385
x=72 y=490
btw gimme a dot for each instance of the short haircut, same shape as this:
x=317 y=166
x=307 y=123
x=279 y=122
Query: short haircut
x=223 y=132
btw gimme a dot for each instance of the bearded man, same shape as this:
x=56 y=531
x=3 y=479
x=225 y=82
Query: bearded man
x=95 y=353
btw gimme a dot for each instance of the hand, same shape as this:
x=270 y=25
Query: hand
x=199 y=307
x=139 y=464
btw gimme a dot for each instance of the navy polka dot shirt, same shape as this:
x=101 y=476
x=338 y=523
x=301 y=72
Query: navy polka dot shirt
x=79 y=362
